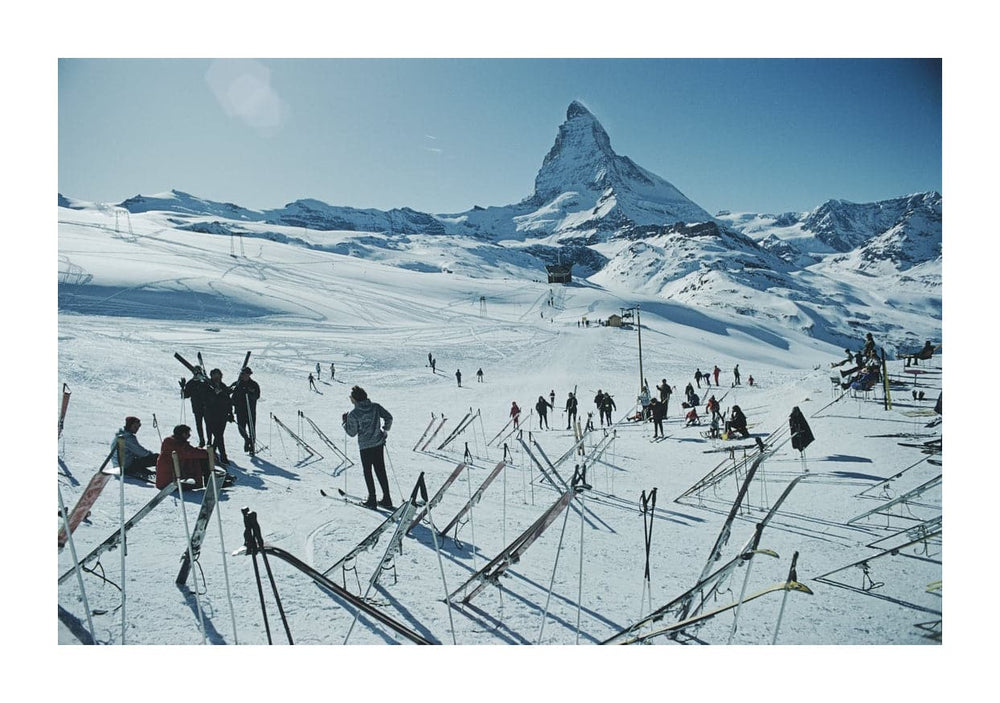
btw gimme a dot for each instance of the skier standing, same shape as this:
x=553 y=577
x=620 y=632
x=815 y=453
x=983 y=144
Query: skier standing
x=458 y=377
x=312 y=382
x=218 y=412
x=665 y=391
x=736 y=375
x=333 y=370
x=246 y=393
x=571 y=405
x=479 y=375
x=197 y=390
x=599 y=402
x=370 y=423
x=542 y=408
x=515 y=412
x=658 y=411
x=607 y=405
x=715 y=372
x=697 y=377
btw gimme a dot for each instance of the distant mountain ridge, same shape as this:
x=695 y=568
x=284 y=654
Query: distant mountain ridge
x=627 y=228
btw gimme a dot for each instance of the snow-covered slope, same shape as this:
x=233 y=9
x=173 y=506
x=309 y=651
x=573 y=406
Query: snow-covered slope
x=629 y=230
x=132 y=291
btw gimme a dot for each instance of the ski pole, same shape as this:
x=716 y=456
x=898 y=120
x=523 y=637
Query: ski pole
x=121 y=487
x=552 y=580
x=792 y=576
x=392 y=468
x=187 y=532
x=156 y=426
x=225 y=567
x=444 y=581
x=251 y=547
x=76 y=562
x=255 y=526
x=579 y=592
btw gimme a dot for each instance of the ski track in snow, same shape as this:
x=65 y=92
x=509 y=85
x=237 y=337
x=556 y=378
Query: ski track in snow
x=377 y=325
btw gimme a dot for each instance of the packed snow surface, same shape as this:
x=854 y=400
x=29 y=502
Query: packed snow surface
x=860 y=507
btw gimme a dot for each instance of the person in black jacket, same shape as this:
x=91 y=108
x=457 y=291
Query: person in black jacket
x=571 y=406
x=197 y=390
x=246 y=393
x=802 y=436
x=607 y=405
x=658 y=410
x=542 y=408
x=737 y=422
x=218 y=412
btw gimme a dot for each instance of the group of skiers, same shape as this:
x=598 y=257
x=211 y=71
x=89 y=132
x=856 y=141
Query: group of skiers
x=867 y=367
x=215 y=404
x=708 y=377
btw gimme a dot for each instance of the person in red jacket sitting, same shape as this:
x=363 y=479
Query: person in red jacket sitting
x=193 y=461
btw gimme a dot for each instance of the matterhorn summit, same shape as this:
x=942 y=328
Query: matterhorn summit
x=584 y=193
x=611 y=188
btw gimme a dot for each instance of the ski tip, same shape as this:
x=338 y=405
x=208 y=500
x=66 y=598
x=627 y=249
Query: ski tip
x=796 y=586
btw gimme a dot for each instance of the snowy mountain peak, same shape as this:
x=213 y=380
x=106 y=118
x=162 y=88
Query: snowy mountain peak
x=597 y=191
x=581 y=157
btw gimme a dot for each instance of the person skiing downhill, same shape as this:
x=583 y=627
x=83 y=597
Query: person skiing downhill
x=312 y=382
x=370 y=423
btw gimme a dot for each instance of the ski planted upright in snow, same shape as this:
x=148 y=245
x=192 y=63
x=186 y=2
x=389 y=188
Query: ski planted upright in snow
x=436 y=497
x=208 y=503
x=475 y=497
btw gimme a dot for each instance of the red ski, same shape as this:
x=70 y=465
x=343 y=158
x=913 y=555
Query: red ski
x=82 y=508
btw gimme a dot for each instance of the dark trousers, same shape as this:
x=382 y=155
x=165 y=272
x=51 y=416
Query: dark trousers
x=570 y=419
x=216 y=433
x=199 y=420
x=374 y=458
x=246 y=423
x=138 y=466
x=657 y=427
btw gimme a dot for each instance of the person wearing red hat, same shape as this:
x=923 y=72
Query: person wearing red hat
x=136 y=459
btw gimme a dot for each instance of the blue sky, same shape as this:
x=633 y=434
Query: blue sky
x=442 y=135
